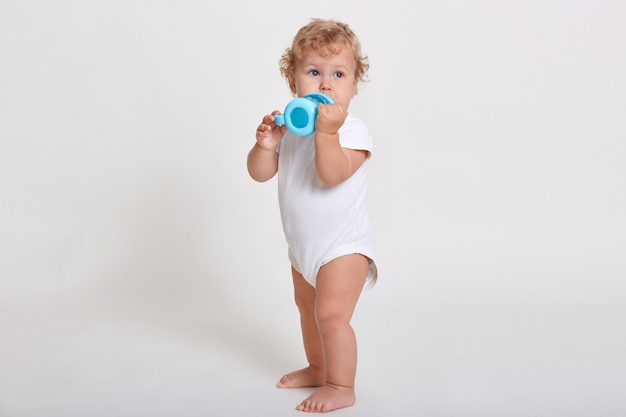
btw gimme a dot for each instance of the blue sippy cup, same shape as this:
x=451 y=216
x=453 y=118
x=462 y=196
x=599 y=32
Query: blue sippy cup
x=300 y=113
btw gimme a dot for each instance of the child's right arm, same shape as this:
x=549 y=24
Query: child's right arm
x=263 y=158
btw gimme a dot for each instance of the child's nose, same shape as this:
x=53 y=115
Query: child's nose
x=325 y=84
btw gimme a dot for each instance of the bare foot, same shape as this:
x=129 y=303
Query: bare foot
x=328 y=398
x=303 y=378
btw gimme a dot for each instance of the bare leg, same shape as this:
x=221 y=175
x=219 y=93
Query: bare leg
x=313 y=375
x=339 y=285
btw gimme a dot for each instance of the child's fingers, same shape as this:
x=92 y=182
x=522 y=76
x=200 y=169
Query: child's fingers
x=330 y=117
x=263 y=131
x=332 y=110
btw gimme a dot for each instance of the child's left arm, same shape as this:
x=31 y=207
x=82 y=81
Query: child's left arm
x=334 y=164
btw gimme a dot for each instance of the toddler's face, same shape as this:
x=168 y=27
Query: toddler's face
x=332 y=74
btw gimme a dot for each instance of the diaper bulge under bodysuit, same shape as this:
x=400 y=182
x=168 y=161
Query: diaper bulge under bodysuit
x=323 y=222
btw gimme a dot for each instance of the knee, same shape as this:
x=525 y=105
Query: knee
x=329 y=318
x=304 y=303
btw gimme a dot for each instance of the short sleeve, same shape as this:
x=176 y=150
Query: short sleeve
x=354 y=134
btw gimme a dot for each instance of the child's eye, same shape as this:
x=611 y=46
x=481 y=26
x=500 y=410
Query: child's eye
x=339 y=74
x=314 y=73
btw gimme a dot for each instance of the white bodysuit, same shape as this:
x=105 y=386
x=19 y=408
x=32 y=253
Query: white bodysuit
x=323 y=222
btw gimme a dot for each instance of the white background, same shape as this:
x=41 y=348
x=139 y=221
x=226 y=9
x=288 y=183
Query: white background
x=142 y=272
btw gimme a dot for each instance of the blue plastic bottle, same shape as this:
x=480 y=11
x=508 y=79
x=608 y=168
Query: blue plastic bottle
x=300 y=113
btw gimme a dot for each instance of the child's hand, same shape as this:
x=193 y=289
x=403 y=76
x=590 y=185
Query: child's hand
x=269 y=134
x=330 y=117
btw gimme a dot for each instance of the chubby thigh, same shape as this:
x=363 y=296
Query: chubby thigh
x=339 y=284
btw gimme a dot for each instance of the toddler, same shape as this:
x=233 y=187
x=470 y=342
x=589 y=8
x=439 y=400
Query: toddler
x=322 y=182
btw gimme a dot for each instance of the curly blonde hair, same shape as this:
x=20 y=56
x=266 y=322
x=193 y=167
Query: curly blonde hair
x=327 y=37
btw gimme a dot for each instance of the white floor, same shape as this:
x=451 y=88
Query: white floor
x=110 y=360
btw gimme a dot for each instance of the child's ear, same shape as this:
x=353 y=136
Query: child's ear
x=292 y=83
